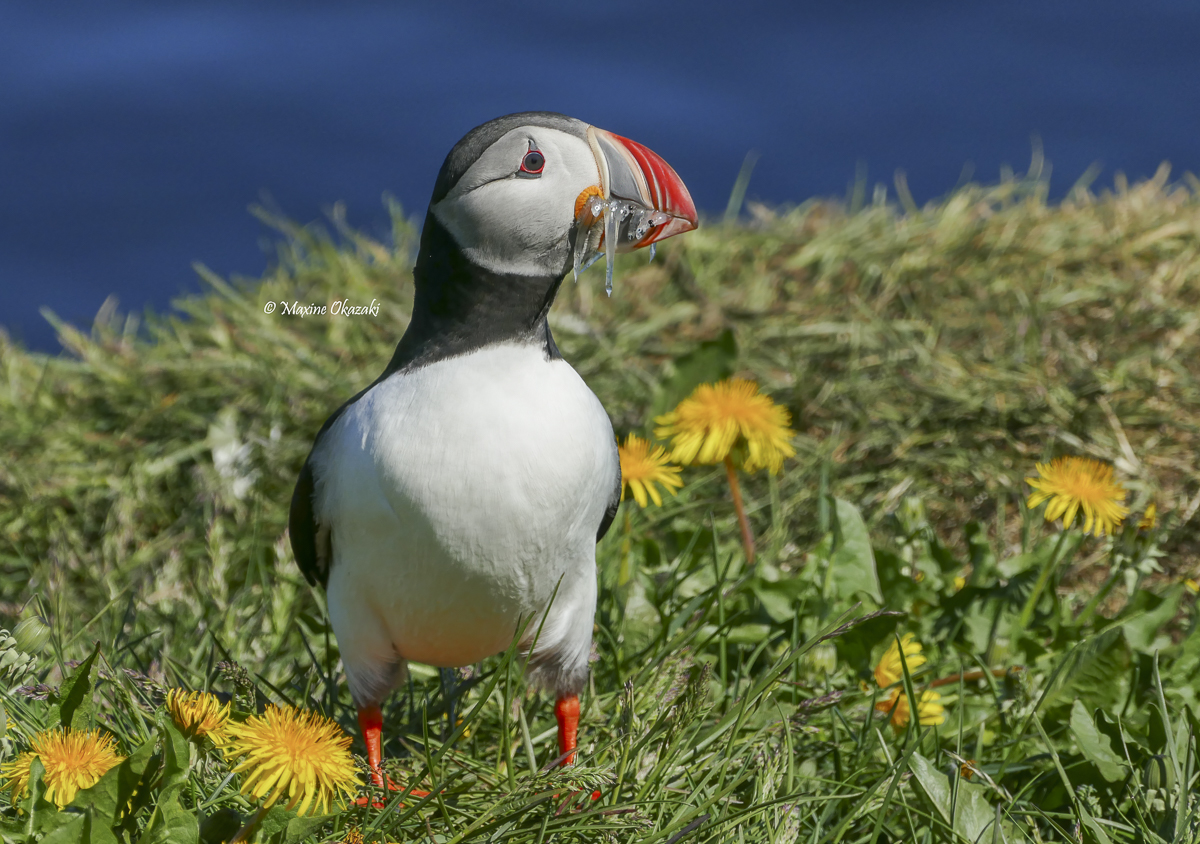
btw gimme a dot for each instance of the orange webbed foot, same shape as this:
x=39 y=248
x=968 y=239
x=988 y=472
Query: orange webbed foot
x=370 y=720
x=378 y=779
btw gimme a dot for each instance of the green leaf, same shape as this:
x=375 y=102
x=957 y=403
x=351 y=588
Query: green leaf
x=748 y=634
x=935 y=784
x=1094 y=745
x=1094 y=827
x=1090 y=670
x=1141 y=630
x=973 y=815
x=778 y=598
x=274 y=822
x=853 y=564
x=983 y=558
x=855 y=645
x=75 y=697
x=712 y=360
x=84 y=829
x=176 y=750
x=72 y=832
x=298 y=829
x=171 y=823
x=1010 y=567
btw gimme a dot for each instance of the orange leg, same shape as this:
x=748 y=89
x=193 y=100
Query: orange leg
x=566 y=710
x=370 y=721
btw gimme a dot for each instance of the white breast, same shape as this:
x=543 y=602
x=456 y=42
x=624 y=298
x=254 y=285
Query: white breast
x=460 y=496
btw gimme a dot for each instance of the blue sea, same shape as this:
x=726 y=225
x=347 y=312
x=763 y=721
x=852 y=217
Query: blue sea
x=134 y=136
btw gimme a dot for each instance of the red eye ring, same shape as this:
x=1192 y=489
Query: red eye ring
x=533 y=163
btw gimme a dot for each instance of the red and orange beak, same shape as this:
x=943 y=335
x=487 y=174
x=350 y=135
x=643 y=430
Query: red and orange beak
x=632 y=172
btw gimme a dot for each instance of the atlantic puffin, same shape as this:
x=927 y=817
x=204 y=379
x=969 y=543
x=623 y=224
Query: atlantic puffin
x=464 y=491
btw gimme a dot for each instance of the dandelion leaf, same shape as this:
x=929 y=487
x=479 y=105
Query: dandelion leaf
x=935 y=784
x=1094 y=827
x=298 y=829
x=75 y=697
x=853 y=565
x=748 y=634
x=1156 y=730
x=855 y=645
x=778 y=597
x=171 y=823
x=82 y=829
x=983 y=557
x=1094 y=745
x=973 y=815
x=176 y=753
x=711 y=361
x=285 y=825
x=70 y=832
x=1149 y=613
x=1095 y=670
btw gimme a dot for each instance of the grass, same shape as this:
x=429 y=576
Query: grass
x=928 y=356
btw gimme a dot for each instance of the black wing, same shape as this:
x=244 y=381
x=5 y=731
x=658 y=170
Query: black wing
x=614 y=502
x=304 y=530
x=311 y=543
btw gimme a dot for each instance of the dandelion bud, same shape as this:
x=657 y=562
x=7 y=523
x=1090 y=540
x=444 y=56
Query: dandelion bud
x=823 y=658
x=1159 y=774
x=32 y=634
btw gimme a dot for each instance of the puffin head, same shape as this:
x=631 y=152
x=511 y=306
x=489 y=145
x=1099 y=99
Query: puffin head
x=527 y=194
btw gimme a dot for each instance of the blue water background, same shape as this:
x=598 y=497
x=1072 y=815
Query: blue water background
x=133 y=136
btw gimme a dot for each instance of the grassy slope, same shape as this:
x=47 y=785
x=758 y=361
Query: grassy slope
x=928 y=359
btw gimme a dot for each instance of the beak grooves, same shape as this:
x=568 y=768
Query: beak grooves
x=633 y=172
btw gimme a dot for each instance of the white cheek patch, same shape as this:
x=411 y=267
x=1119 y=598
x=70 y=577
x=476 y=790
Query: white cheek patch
x=517 y=225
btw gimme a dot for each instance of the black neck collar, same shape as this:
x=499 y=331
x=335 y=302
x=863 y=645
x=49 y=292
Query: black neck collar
x=460 y=307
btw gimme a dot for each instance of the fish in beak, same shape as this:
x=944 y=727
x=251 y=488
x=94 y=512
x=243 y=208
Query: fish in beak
x=640 y=200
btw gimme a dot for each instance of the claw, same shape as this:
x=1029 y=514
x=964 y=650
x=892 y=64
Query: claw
x=381 y=780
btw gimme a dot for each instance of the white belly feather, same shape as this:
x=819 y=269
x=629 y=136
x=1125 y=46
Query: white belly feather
x=460 y=496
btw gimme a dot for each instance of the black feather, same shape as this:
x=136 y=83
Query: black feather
x=302 y=528
x=311 y=546
x=614 y=504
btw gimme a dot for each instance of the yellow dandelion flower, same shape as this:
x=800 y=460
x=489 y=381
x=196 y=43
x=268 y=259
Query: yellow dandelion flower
x=705 y=427
x=1149 y=518
x=889 y=670
x=1074 y=483
x=295 y=754
x=73 y=760
x=643 y=466
x=930 y=713
x=1191 y=586
x=198 y=714
x=16 y=775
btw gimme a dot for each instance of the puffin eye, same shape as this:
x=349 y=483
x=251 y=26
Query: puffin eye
x=532 y=164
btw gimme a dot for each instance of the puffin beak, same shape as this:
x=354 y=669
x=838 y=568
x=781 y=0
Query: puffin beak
x=633 y=173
